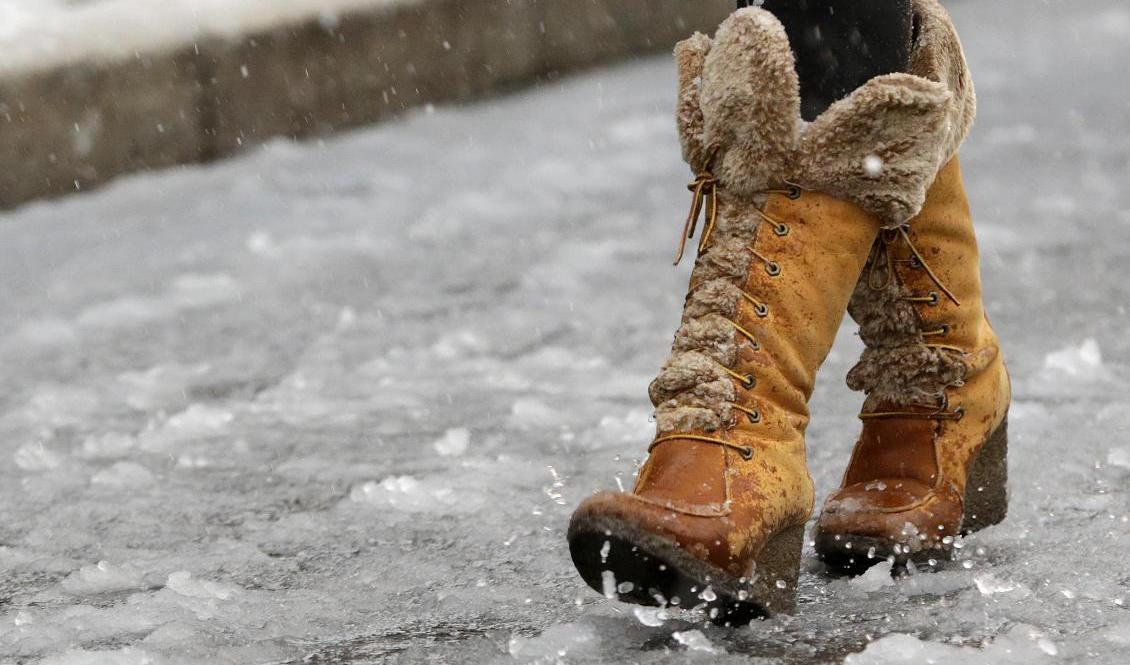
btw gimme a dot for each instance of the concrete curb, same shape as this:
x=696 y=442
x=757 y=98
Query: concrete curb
x=75 y=127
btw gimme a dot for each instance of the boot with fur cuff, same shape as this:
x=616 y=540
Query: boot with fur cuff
x=791 y=210
x=930 y=462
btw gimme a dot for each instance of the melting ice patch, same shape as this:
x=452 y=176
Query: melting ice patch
x=124 y=475
x=161 y=386
x=695 y=640
x=1072 y=371
x=1023 y=645
x=459 y=345
x=124 y=656
x=1083 y=362
x=1119 y=457
x=55 y=406
x=453 y=443
x=527 y=413
x=103 y=578
x=183 y=583
x=195 y=422
x=108 y=445
x=188 y=291
x=412 y=495
x=37 y=457
x=635 y=425
x=556 y=643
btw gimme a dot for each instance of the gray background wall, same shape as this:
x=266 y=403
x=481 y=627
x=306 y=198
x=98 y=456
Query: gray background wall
x=74 y=127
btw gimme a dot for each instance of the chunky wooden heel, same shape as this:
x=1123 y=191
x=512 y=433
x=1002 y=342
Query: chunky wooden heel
x=777 y=571
x=986 y=484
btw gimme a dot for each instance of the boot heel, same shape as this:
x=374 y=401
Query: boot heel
x=986 y=485
x=777 y=570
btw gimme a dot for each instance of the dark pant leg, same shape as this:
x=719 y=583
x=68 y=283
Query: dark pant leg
x=841 y=44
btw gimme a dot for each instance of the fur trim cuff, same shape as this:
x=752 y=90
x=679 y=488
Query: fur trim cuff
x=880 y=148
x=906 y=375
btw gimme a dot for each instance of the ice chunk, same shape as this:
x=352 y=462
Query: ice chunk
x=695 y=640
x=183 y=583
x=876 y=577
x=555 y=643
x=124 y=475
x=1083 y=362
x=123 y=656
x=459 y=344
x=529 y=413
x=415 y=496
x=60 y=406
x=37 y=457
x=161 y=386
x=108 y=445
x=650 y=616
x=195 y=422
x=103 y=578
x=1119 y=457
x=989 y=584
x=635 y=425
x=453 y=443
x=201 y=290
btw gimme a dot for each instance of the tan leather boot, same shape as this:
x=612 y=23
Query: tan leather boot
x=930 y=462
x=717 y=516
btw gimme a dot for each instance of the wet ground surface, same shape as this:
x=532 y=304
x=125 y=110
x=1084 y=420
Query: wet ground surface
x=333 y=402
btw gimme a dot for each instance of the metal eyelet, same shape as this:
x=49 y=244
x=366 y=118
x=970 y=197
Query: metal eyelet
x=746 y=453
x=773 y=268
x=750 y=382
x=794 y=192
x=934 y=299
x=959 y=413
x=914 y=263
x=754 y=345
x=754 y=416
x=781 y=230
x=761 y=310
x=945 y=328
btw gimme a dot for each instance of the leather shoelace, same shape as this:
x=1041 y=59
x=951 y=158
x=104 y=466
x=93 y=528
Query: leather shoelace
x=704 y=203
x=916 y=262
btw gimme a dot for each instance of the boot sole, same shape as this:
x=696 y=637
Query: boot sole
x=626 y=563
x=985 y=504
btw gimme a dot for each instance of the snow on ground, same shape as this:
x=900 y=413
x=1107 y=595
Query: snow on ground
x=44 y=33
x=333 y=402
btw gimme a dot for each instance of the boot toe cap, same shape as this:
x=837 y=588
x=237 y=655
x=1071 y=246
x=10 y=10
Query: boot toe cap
x=705 y=537
x=903 y=512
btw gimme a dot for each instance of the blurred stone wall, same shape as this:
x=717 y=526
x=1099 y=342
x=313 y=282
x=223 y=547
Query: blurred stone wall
x=77 y=126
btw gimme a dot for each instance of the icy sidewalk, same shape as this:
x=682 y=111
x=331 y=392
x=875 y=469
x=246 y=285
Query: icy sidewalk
x=335 y=402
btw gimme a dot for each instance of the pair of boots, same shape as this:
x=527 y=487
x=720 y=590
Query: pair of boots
x=861 y=210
